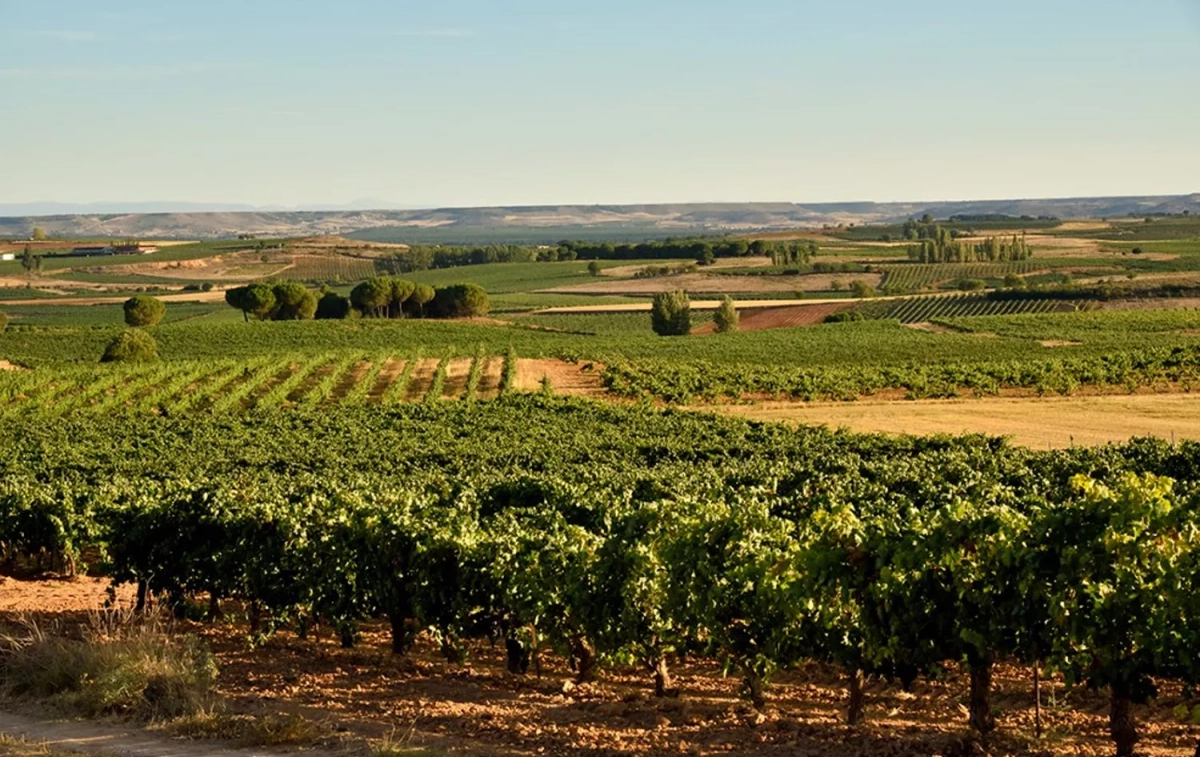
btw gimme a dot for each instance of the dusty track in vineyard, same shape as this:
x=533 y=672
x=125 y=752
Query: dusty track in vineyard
x=780 y=318
x=565 y=378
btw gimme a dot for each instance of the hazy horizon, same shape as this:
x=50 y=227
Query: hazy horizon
x=466 y=103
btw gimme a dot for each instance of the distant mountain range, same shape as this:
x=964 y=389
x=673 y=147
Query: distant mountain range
x=451 y=225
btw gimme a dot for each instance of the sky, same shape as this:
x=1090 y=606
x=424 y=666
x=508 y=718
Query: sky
x=535 y=102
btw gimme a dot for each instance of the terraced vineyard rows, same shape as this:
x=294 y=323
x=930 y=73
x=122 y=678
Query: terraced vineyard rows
x=922 y=309
x=233 y=386
x=912 y=277
x=320 y=268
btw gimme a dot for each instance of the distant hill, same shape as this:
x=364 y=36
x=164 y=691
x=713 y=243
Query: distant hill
x=549 y=223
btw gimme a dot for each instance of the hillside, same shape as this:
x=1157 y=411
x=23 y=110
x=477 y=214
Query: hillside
x=548 y=223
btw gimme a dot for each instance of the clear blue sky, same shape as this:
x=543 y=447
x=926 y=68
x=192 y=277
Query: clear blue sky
x=472 y=102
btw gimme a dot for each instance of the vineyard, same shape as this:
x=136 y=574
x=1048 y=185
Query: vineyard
x=238 y=386
x=326 y=268
x=925 y=309
x=917 y=276
x=616 y=535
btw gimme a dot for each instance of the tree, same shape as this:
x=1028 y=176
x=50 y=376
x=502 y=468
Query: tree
x=333 y=306
x=461 y=301
x=38 y=235
x=594 y=268
x=131 y=346
x=671 y=314
x=144 y=310
x=293 y=302
x=706 y=256
x=726 y=318
x=421 y=297
x=256 y=299
x=402 y=289
x=29 y=261
x=372 y=296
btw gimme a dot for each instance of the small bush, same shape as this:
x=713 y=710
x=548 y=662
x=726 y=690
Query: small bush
x=862 y=289
x=3 y=322
x=119 y=665
x=1013 y=281
x=845 y=316
x=144 y=311
x=594 y=268
x=727 y=318
x=131 y=346
x=971 y=285
x=671 y=314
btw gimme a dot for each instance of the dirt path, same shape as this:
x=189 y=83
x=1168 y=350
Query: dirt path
x=213 y=296
x=92 y=738
x=1038 y=423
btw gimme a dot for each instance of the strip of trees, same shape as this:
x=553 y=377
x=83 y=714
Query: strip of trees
x=703 y=251
x=377 y=297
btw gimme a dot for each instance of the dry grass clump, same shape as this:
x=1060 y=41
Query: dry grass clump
x=118 y=664
x=268 y=729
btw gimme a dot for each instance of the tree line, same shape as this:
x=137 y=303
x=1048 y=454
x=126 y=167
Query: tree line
x=377 y=297
x=703 y=251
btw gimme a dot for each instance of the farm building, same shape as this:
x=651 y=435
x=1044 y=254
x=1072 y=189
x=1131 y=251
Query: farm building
x=126 y=248
x=8 y=256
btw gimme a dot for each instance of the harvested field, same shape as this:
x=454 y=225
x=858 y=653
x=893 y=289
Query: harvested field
x=781 y=318
x=479 y=709
x=1057 y=422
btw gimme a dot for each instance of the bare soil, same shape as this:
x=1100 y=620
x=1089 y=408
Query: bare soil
x=573 y=379
x=480 y=709
x=780 y=318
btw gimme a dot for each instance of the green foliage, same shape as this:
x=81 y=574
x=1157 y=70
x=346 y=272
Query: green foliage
x=373 y=296
x=256 y=299
x=293 y=302
x=131 y=346
x=460 y=301
x=142 y=310
x=671 y=314
x=845 y=316
x=3 y=321
x=1014 y=281
x=861 y=289
x=333 y=306
x=726 y=319
x=593 y=268
x=972 y=285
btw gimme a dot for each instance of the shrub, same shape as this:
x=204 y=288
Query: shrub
x=293 y=302
x=845 y=316
x=971 y=285
x=131 y=346
x=671 y=314
x=1013 y=281
x=144 y=311
x=594 y=268
x=120 y=666
x=862 y=289
x=726 y=318
x=461 y=301
x=3 y=322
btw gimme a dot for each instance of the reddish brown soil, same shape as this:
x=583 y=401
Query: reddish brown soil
x=761 y=319
x=479 y=709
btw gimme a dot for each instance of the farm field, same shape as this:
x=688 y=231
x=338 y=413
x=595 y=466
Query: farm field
x=513 y=532
x=1038 y=423
x=565 y=508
